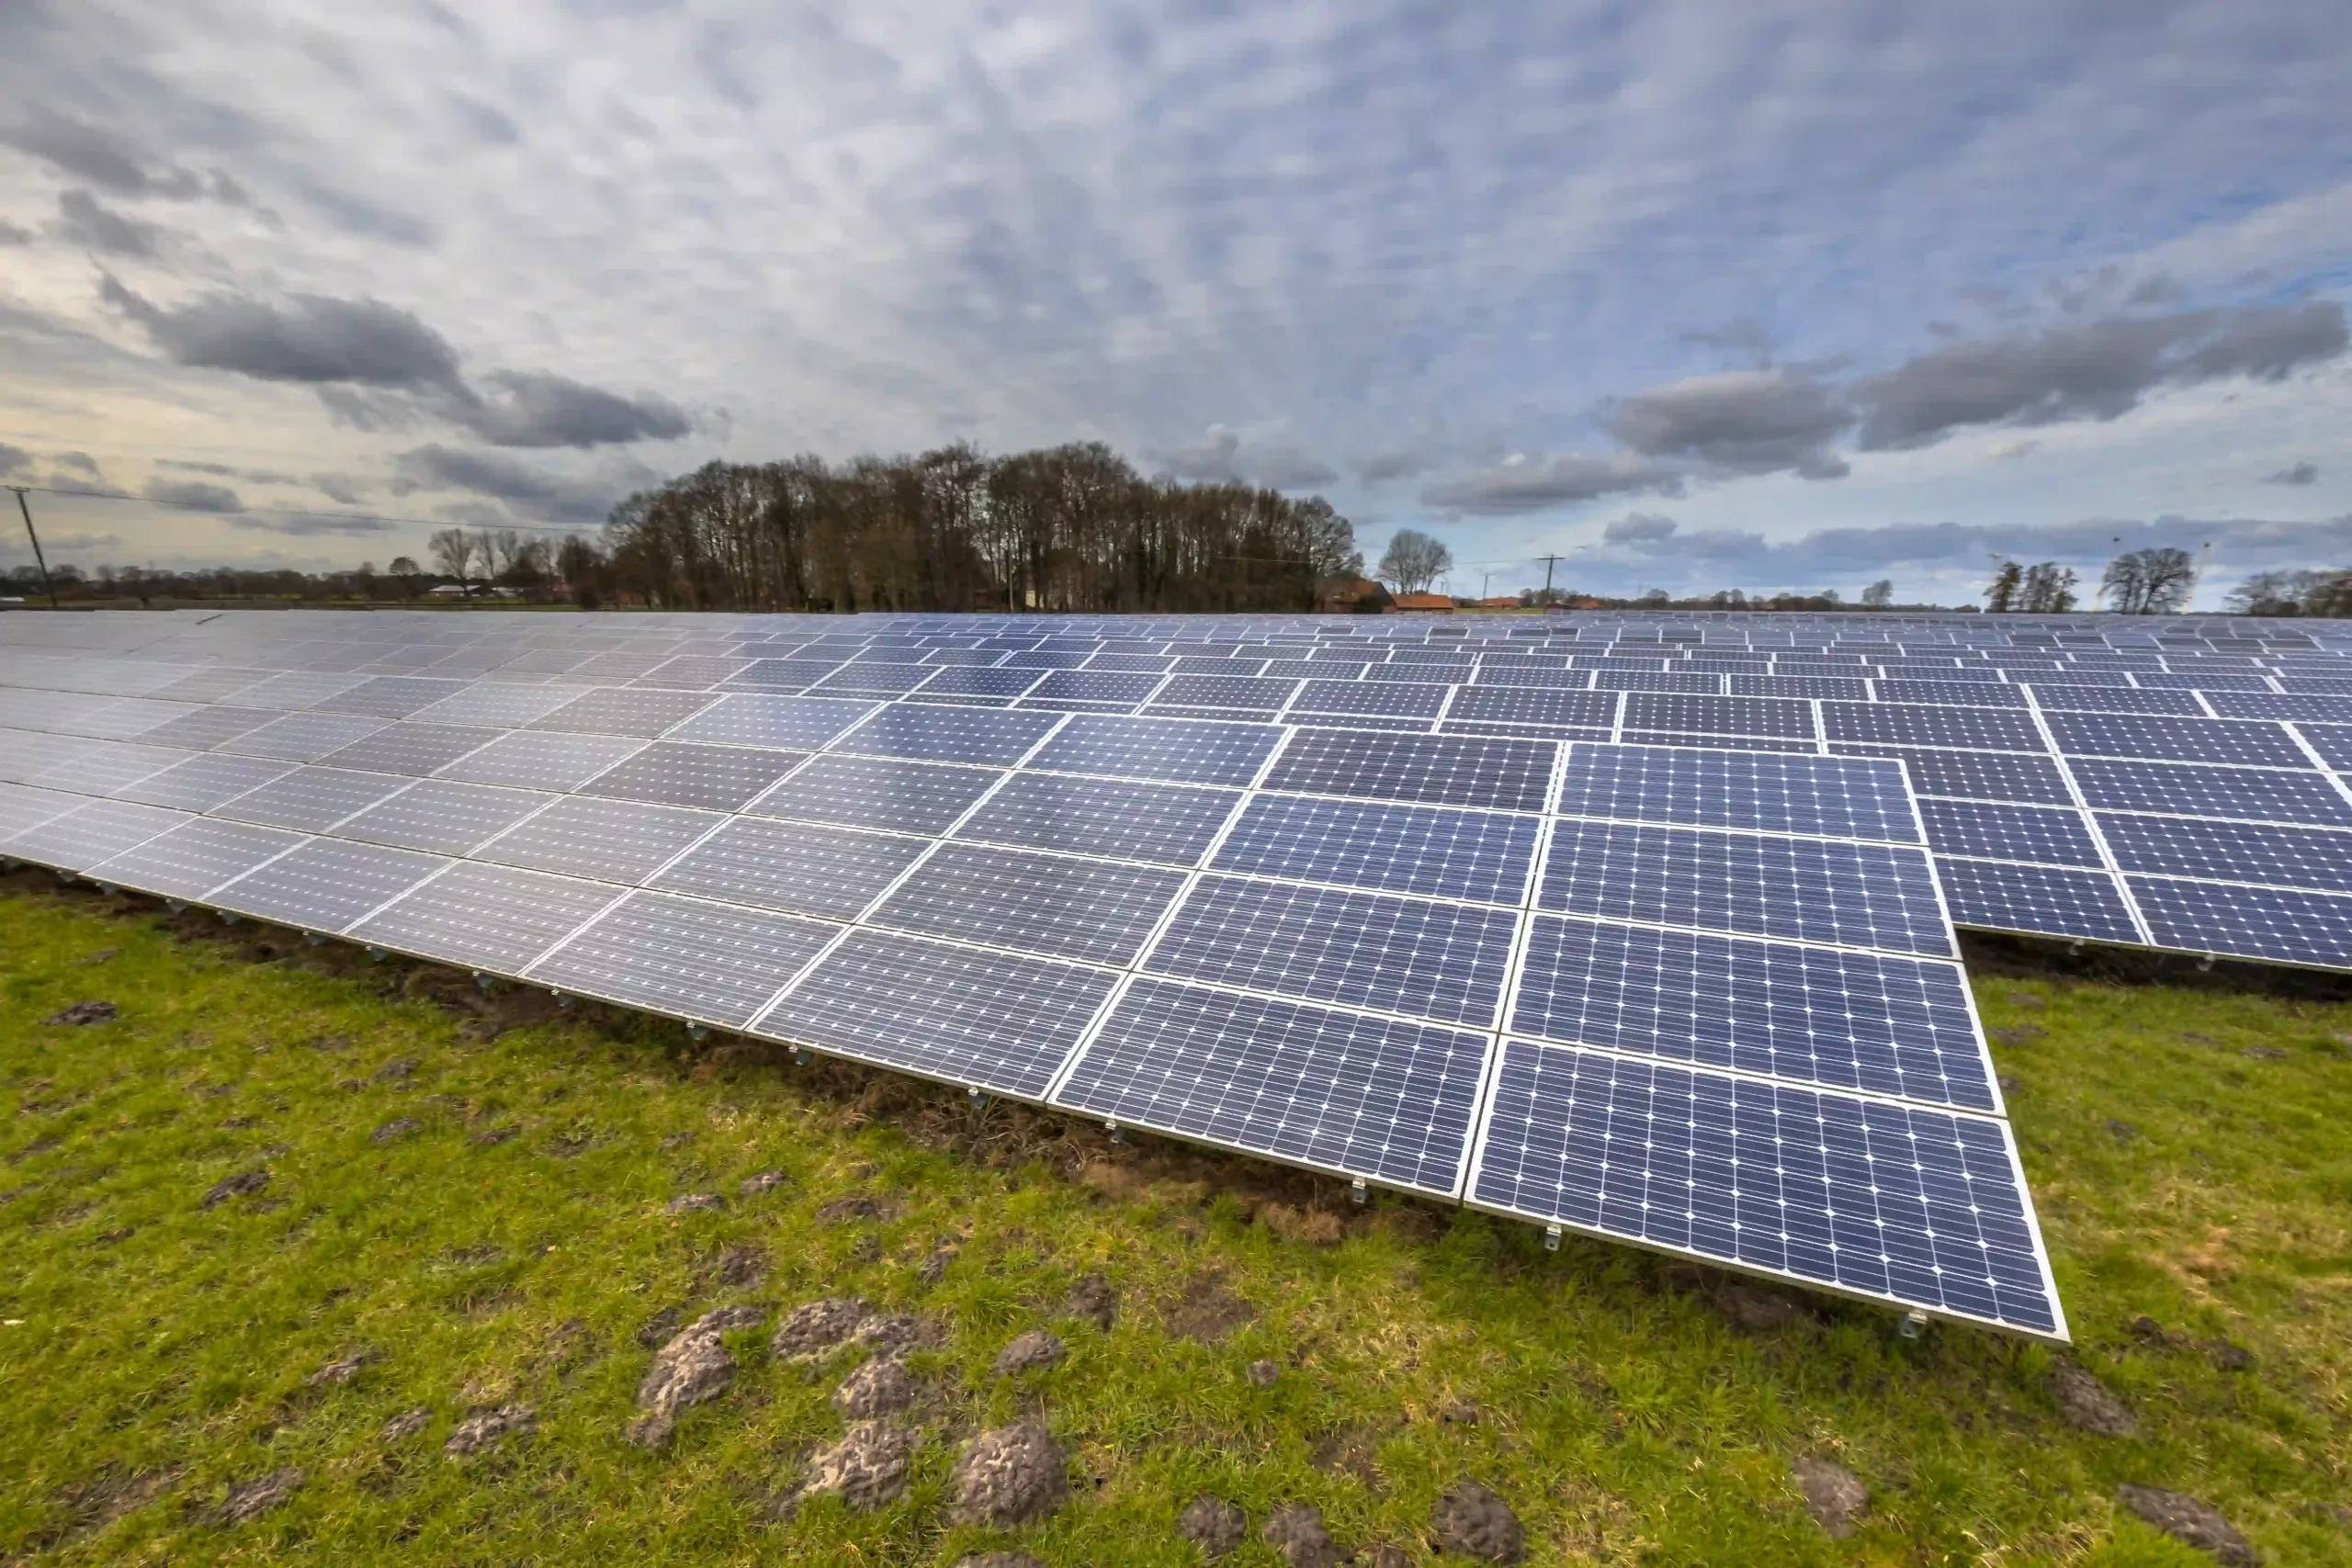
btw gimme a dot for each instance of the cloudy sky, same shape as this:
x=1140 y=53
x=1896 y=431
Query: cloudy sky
x=1696 y=295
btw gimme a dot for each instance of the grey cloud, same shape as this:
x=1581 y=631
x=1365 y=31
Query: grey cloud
x=193 y=495
x=502 y=479
x=1213 y=458
x=2090 y=370
x=1397 y=463
x=95 y=154
x=536 y=408
x=340 y=487
x=1740 y=422
x=487 y=122
x=373 y=412
x=14 y=233
x=1639 y=529
x=14 y=460
x=1289 y=467
x=370 y=220
x=1219 y=457
x=1538 y=484
x=86 y=221
x=2295 y=474
x=218 y=470
x=310 y=524
x=81 y=460
x=308 y=338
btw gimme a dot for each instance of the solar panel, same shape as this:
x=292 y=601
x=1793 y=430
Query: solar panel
x=2204 y=790
x=1718 y=715
x=303 y=737
x=23 y=807
x=415 y=749
x=798 y=868
x=1890 y=724
x=2317 y=858
x=1428 y=959
x=984 y=737
x=74 y=840
x=685 y=958
x=202 y=782
x=2044 y=834
x=2285 y=925
x=1376 y=1098
x=2036 y=899
x=638 y=711
x=606 y=840
x=443 y=816
x=1853 y=895
x=559 y=762
x=1832 y=796
x=326 y=883
x=1111 y=819
x=1147 y=749
x=1437 y=769
x=497 y=706
x=1481 y=856
x=1976 y=775
x=717 y=778
x=311 y=799
x=1396 y=698
x=207 y=726
x=1055 y=906
x=877 y=792
x=485 y=917
x=989 y=1020
x=106 y=766
x=390 y=697
x=1887 y=1202
x=2175 y=739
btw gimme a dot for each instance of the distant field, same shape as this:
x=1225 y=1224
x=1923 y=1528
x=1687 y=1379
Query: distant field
x=467 y=1209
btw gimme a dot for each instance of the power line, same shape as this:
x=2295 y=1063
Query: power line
x=295 y=511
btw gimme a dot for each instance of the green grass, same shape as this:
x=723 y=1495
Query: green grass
x=156 y=1351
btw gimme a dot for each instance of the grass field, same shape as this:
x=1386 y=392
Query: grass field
x=471 y=1197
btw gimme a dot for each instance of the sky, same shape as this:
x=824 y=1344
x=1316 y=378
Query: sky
x=1694 y=296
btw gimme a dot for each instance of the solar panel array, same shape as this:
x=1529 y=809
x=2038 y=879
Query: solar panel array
x=1628 y=928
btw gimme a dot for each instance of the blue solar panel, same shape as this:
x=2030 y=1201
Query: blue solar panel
x=2050 y=835
x=1092 y=686
x=684 y=958
x=1237 y=692
x=1438 y=961
x=607 y=841
x=1373 y=1097
x=968 y=682
x=1957 y=694
x=2191 y=789
x=485 y=917
x=1846 y=797
x=1718 y=715
x=1976 y=775
x=1050 y=905
x=326 y=883
x=2057 y=697
x=1114 y=818
x=311 y=799
x=2231 y=851
x=616 y=710
x=1852 y=1021
x=1397 y=698
x=2159 y=738
x=874 y=680
x=798 y=868
x=2332 y=741
x=1805 y=686
x=1443 y=770
x=1888 y=724
x=2279 y=925
x=414 y=750
x=2045 y=900
x=2229 y=704
x=1884 y=1201
x=877 y=792
x=1818 y=890
x=982 y=736
x=1479 y=855
x=1146 y=749
x=1522 y=705
x=993 y=1021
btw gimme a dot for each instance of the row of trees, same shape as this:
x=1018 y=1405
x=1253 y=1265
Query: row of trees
x=1066 y=528
x=2156 y=581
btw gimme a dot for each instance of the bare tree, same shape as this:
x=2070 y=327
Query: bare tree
x=454 y=552
x=2048 y=590
x=2001 y=597
x=1878 y=594
x=2305 y=592
x=1414 y=560
x=405 y=571
x=2155 y=582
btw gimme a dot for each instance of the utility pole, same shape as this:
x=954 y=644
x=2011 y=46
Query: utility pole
x=1549 y=562
x=26 y=507
x=1484 y=579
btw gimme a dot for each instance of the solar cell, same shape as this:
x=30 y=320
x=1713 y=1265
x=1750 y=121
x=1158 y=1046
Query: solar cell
x=877 y=792
x=1397 y=698
x=1112 y=819
x=1869 y=1022
x=1892 y=724
x=1526 y=704
x=1853 y=895
x=191 y=860
x=1894 y=1202
x=1718 y=715
x=985 y=737
x=798 y=868
x=1114 y=747
x=303 y=737
x=491 y=918
x=2192 y=789
x=993 y=1021
x=717 y=778
x=606 y=840
x=1846 y=797
x=206 y=727
x=311 y=800
x=1044 y=904
x=964 y=685
x=90 y=833
x=685 y=958
x=784 y=674
x=414 y=750
x=521 y=760
x=1239 y=693
x=2045 y=900
x=288 y=692
x=1801 y=686
x=443 y=816
x=1379 y=1099
x=1479 y=856
x=390 y=697
x=1443 y=770
x=2160 y=738
x=23 y=807
x=640 y=711
x=2333 y=742
x=1440 y=960
x=2310 y=707
x=2231 y=851
x=2000 y=831
x=2054 y=697
x=2279 y=925
x=1957 y=694
x=1663 y=681
x=874 y=680
x=497 y=706
x=325 y=883
x=202 y=782
x=1976 y=775
x=758 y=719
